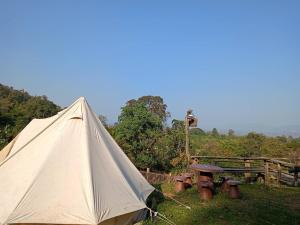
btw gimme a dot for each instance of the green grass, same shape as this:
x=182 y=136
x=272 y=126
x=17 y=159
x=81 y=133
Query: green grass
x=258 y=205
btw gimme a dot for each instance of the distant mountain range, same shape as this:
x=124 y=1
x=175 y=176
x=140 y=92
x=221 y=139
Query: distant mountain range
x=290 y=130
x=287 y=130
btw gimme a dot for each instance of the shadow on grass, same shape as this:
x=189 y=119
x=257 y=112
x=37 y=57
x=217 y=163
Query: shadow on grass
x=155 y=198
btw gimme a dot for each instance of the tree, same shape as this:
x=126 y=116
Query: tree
x=103 y=120
x=18 y=108
x=178 y=136
x=197 y=131
x=175 y=153
x=215 y=132
x=253 y=144
x=142 y=133
x=137 y=132
x=230 y=132
x=155 y=104
x=177 y=124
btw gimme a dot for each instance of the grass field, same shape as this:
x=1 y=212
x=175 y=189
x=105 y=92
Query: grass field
x=258 y=205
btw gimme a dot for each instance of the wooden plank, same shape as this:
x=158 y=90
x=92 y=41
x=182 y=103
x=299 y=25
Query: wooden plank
x=241 y=158
x=244 y=170
x=273 y=160
x=222 y=157
x=286 y=164
x=236 y=161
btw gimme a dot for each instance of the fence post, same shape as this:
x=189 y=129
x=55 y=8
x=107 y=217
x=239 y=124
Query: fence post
x=296 y=178
x=247 y=174
x=196 y=160
x=278 y=174
x=266 y=164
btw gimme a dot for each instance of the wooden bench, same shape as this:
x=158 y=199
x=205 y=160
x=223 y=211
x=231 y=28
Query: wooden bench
x=179 y=185
x=205 y=190
x=234 y=191
x=187 y=180
x=224 y=184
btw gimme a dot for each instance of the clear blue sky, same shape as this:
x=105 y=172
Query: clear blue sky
x=236 y=63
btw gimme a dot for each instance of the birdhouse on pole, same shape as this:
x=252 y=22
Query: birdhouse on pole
x=190 y=121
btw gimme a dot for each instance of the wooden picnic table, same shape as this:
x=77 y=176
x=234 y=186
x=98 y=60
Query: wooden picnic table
x=205 y=181
x=206 y=168
x=205 y=171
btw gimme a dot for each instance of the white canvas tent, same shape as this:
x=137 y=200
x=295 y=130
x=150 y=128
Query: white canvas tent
x=67 y=169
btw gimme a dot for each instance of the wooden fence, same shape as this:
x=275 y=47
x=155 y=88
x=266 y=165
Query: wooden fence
x=273 y=171
x=155 y=177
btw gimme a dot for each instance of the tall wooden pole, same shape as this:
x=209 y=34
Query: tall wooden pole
x=266 y=172
x=187 y=140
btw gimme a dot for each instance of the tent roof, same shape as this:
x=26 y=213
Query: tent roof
x=67 y=169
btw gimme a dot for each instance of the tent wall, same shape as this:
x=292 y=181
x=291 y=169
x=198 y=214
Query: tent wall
x=6 y=150
x=126 y=219
x=67 y=169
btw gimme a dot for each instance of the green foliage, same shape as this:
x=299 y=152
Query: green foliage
x=214 y=132
x=155 y=104
x=146 y=139
x=252 y=144
x=197 y=131
x=230 y=132
x=137 y=132
x=172 y=145
x=142 y=135
x=18 y=108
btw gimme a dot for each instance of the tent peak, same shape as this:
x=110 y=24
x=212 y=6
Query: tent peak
x=82 y=98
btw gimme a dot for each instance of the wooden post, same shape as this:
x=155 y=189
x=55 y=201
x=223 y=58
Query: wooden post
x=266 y=172
x=187 y=141
x=247 y=174
x=170 y=178
x=278 y=174
x=195 y=160
x=296 y=178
